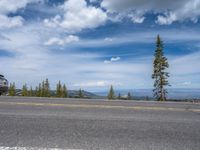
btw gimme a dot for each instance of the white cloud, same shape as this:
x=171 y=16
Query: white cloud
x=77 y=16
x=172 y=10
x=137 y=19
x=107 y=61
x=120 y=6
x=137 y=16
x=71 y=38
x=53 y=22
x=54 y=41
x=108 y=39
x=11 y=6
x=168 y=19
x=190 y=10
x=113 y=59
x=58 y=41
x=9 y=22
x=134 y=16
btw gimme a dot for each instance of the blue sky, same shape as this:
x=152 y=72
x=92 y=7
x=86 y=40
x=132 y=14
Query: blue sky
x=95 y=43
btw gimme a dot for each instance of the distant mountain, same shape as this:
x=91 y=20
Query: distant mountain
x=74 y=93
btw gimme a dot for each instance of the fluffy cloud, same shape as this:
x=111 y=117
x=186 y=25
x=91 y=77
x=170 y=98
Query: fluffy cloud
x=54 y=41
x=77 y=16
x=189 y=10
x=172 y=10
x=169 y=18
x=9 y=22
x=58 y=41
x=11 y=6
x=71 y=38
x=137 y=16
x=157 y=5
x=113 y=59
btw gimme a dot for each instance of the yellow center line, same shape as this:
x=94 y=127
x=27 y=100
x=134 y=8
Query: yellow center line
x=99 y=106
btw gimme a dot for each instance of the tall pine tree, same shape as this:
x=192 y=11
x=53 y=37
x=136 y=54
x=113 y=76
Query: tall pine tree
x=129 y=97
x=31 y=92
x=64 y=91
x=111 y=93
x=59 y=90
x=80 y=93
x=43 y=94
x=12 y=89
x=119 y=96
x=47 y=88
x=24 y=90
x=37 y=91
x=40 y=90
x=160 y=74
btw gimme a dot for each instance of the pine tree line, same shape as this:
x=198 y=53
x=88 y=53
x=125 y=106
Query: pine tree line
x=42 y=90
x=61 y=90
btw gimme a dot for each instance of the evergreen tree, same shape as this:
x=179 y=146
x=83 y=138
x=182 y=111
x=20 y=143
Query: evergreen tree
x=37 y=94
x=40 y=90
x=43 y=89
x=24 y=91
x=12 y=89
x=129 y=97
x=59 y=90
x=31 y=92
x=64 y=91
x=80 y=93
x=111 y=94
x=147 y=98
x=119 y=96
x=47 y=88
x=160 y=75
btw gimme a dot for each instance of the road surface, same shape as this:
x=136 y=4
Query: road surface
x=42 y=123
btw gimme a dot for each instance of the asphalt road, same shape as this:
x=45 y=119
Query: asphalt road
x=41 y=123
